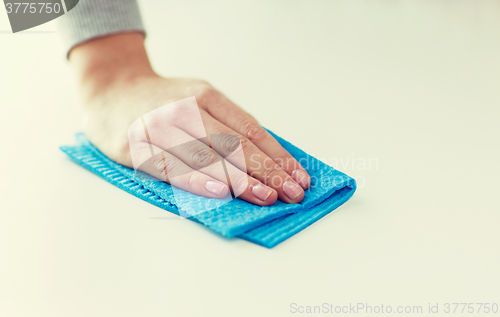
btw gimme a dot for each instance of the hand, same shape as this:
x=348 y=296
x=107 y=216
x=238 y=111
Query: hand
x=123 y=98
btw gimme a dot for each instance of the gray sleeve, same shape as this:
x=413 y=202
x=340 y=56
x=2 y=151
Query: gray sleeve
x=96 y=18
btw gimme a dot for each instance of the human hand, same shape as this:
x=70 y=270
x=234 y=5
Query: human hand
x=126 y=118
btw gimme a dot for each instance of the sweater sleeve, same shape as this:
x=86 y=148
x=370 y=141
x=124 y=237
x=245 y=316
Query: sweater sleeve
x=97 y=18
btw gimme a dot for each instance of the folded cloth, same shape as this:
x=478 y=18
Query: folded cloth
x=266 y=226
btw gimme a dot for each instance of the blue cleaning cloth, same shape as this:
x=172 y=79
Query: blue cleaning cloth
x=266 y=226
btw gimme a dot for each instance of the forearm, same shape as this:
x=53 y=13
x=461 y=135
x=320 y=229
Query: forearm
x=109 y=60
x=92 y=19
x=104 y=40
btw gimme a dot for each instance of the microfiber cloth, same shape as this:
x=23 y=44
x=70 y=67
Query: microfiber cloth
x=266 y=226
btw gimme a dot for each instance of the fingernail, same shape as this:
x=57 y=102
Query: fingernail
x=301 y=177
x=262 y=192
x=215 y=187
x=291 y=189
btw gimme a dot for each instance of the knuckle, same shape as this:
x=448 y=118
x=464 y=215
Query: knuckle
x=153 y=124
x=241 y=184
x=206 y=92
x=124 y=152
x=191 y=180
x=178 y=114
x=202 y=83
x=286 y=163
x=270 y=173
x=162 y=165
x=201 y=157
x=136 y=132
x=174 y=110
x=254 y=132
x=228 y=143
x=246 y=144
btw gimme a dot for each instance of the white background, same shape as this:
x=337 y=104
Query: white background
x=411 y=84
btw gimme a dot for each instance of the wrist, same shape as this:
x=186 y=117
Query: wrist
x=109 y=61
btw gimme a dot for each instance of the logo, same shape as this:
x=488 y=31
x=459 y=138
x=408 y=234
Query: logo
x=26 y=14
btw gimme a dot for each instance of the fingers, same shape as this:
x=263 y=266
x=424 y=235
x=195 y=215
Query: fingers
x=166 y=167
x=241 y=122
x=269 y=145
x=257 y=163
x=198 y=156
x=273 y=171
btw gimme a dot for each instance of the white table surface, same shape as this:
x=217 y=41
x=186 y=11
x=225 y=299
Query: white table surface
x=411 y=85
